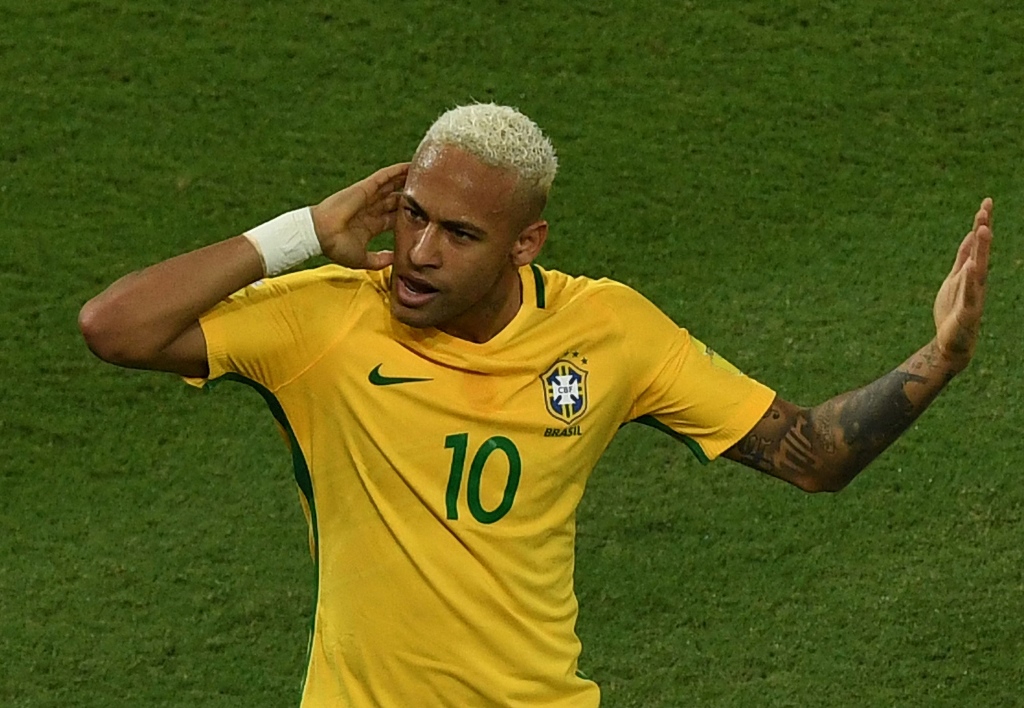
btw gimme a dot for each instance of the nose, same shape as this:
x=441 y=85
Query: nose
x=426 y=247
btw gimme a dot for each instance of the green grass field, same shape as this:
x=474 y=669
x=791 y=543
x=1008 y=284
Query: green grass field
x=789 y=180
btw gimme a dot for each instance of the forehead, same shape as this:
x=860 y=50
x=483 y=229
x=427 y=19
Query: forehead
x=449 y=183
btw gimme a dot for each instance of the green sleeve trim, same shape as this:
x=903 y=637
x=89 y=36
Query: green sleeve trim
x=305 y=483
x=538 y=280
x=695 y=448
x=300 y=468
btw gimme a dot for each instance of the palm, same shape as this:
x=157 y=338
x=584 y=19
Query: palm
x=348 y=220
x=961 y=299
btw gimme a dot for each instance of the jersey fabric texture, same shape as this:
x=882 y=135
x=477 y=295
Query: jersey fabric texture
x=440 y=477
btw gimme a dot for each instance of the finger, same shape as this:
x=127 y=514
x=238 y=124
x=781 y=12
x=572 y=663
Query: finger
x=396 y=184
x=983 y=245
x=387 y=197
x=388 y=179
x=962 y=253
x=983 y=217
x=379 y=183
x=388 y=204
x=976 y=272
x=973 y=291
x=388 y=221
x=980 y=219
x=375 y=260
x=395 y=170
x=390 y=172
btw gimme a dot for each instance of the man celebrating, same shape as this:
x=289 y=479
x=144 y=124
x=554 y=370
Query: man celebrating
x=446 y=403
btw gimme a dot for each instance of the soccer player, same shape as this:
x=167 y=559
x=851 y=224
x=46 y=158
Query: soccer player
x=445 y=404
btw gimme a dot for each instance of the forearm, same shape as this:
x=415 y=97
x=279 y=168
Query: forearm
x=824 y=447
x=141 y=314
x=852 y=429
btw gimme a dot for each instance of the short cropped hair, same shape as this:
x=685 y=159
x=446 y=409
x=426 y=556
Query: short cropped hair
x=499 y=136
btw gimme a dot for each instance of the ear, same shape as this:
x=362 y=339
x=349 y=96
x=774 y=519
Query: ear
x=529 y=242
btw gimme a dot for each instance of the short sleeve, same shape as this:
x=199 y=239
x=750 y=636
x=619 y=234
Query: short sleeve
x=276 y=328
x=686 y=389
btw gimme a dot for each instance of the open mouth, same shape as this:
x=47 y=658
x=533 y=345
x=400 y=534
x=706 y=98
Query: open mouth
x=419 y=287
x=414 y=292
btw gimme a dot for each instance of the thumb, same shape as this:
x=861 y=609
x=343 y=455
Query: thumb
x=376 y=260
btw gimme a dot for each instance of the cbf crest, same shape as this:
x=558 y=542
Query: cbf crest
x=565 y=390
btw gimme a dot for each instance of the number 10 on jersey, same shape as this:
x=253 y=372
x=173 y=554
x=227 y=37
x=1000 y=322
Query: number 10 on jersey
x=459 y=444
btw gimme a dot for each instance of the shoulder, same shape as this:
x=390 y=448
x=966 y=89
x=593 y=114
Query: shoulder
x=324 y=283
x=275 y=327
x=332 y=277
x=563 y=290
x=601 y=297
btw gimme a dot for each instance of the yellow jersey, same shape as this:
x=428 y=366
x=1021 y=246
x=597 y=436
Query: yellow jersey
x=440 y=477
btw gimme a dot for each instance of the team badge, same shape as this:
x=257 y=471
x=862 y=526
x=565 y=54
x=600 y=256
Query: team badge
x=565 y=391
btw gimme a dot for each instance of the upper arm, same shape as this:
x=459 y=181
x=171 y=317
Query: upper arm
x=185 y=356
x=785 y=444
x=684 y=385
x=112 y=337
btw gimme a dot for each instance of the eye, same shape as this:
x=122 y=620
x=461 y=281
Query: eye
x=412 y=214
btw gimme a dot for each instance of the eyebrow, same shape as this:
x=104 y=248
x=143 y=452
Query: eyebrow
x=449 y=224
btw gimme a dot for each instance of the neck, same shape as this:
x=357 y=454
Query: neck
x=492 y=315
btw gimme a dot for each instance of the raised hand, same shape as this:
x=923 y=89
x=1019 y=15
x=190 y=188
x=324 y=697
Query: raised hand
x=960 y=301
x=348 y=220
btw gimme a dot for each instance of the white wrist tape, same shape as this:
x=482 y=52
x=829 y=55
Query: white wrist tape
x=285 y=241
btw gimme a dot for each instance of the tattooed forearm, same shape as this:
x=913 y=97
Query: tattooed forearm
x=824 y=447
x=799 y=450
x=756 y=449
x=783 y=443
x=824 y=419
x=873 y=417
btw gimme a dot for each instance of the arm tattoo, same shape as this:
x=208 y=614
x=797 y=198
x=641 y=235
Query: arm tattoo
x=798 y=452
x=755 y=449
x=826 y=446
x=874 y=416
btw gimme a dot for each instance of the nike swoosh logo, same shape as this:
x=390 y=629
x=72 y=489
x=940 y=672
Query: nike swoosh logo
x=379 y=379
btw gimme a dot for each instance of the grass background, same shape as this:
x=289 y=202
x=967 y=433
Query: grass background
x=787 y=179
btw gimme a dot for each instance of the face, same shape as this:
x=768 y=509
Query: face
x=463 y=231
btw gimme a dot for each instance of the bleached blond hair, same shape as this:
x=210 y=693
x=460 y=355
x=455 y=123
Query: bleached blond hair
x=499 y=136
